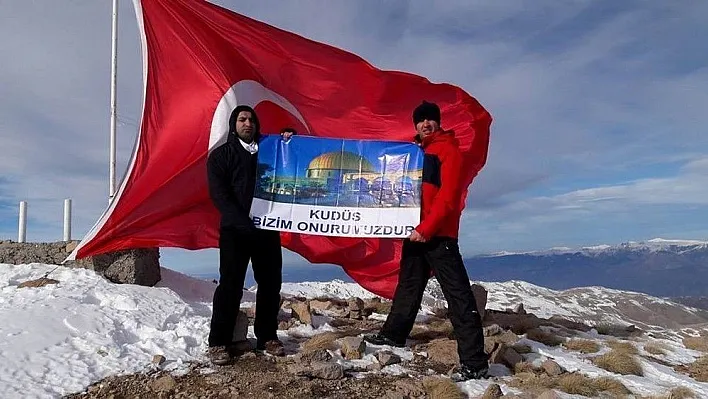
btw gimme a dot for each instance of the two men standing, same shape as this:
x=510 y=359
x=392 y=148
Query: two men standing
x=432 y=246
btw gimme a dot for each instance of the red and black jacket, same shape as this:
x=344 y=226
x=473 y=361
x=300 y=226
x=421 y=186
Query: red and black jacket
x=441 y=197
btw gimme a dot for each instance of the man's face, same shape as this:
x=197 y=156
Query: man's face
x=245 y=126
x=426 y=127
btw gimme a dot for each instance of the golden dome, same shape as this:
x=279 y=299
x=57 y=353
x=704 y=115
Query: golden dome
x=341 y=160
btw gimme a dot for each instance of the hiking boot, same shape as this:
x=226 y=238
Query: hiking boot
x=471 y=373
x=380 y=339
x=273 y=347
x=219 y=355
x=237 y=349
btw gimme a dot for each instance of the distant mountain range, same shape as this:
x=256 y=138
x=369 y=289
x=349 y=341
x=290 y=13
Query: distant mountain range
x=665 y=268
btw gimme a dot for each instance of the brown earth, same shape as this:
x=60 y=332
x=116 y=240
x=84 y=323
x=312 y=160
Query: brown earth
x=254 y=377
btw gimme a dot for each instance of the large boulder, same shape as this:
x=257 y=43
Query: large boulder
x=480 y=298
x=133 y=266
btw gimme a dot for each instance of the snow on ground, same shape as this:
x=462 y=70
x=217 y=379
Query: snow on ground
x=60 y=338
x=657 y=379
x=332 y=289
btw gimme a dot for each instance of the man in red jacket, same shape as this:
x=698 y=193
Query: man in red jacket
x=433 y=245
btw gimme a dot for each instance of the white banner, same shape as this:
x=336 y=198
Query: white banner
x=338 y=187
x=335 y=221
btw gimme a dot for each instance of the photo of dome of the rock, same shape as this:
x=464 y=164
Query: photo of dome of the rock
x=335 y=172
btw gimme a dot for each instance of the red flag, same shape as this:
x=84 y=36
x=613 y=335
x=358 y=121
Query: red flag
x=200 y=61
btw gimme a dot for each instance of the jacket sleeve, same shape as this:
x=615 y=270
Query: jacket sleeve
x=447 y=200
x=220 y=190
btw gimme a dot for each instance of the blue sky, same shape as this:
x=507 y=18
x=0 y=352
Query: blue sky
x=295 y=156
x=600 y=132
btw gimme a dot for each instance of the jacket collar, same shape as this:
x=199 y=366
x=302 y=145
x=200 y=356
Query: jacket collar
x=439 y=135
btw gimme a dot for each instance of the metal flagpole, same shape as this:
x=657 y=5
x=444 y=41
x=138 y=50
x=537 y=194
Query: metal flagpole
x=114 y=66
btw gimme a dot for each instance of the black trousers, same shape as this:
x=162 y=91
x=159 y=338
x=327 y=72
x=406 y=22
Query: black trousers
x=236 y=248
x=443 y=256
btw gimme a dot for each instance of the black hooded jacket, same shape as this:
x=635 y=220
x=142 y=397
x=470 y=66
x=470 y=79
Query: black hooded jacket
x=231 y=171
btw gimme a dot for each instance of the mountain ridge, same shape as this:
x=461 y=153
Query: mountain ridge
x=659 y=267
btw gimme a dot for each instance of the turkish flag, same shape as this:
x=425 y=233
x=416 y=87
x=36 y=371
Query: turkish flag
x=200 y=61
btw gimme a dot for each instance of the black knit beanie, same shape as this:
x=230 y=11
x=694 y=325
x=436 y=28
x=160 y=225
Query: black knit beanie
x=234 y=116
x=426 y=110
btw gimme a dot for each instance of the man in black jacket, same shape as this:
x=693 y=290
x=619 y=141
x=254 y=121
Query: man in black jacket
x=232 y=171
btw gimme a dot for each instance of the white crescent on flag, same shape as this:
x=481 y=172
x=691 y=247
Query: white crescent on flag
x=245 y=92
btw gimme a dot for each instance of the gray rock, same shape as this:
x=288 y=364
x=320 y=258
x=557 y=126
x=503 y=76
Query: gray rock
x=549 y=394
x=137 y=266
x=321 y=306
x=301 y=311
x=40 y=282
x=300 y=369
x=505 y=355
x=353 y=347
x=387 y=358
x=551 y=367
x=158 y=360
x=241 y=327
x=493 y=391
x=480 y=298
x=71 y=246
x=327 y=371
x=490 y=345
x=519 y=309
x=355 y=304
x=322 y=370
x=507 y=337
x=492 y=330
x=317 y=355
x=375 y=366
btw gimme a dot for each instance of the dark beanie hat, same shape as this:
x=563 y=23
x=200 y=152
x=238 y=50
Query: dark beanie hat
x=426 y=110
x=234 y=116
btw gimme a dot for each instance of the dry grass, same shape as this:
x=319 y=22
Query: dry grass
x=544 y=337
x=381 y=307
x=623 y=346
x=532 y=381
x=582 y=345
x=656 y=348
x=619 y=362
x=524 y=367
x=699 y=369
x=576 y=384
x=321 y=341
x=523 y=324
x=579 y=384
x=696 y=343
x=335 y=301
x=522 y=348
x=681 y=393
x=614 y=330
x=326 y=339
x=442 y=388
x=573 y=383
x=435 y=329
x=676 y=393
x=611 y=385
